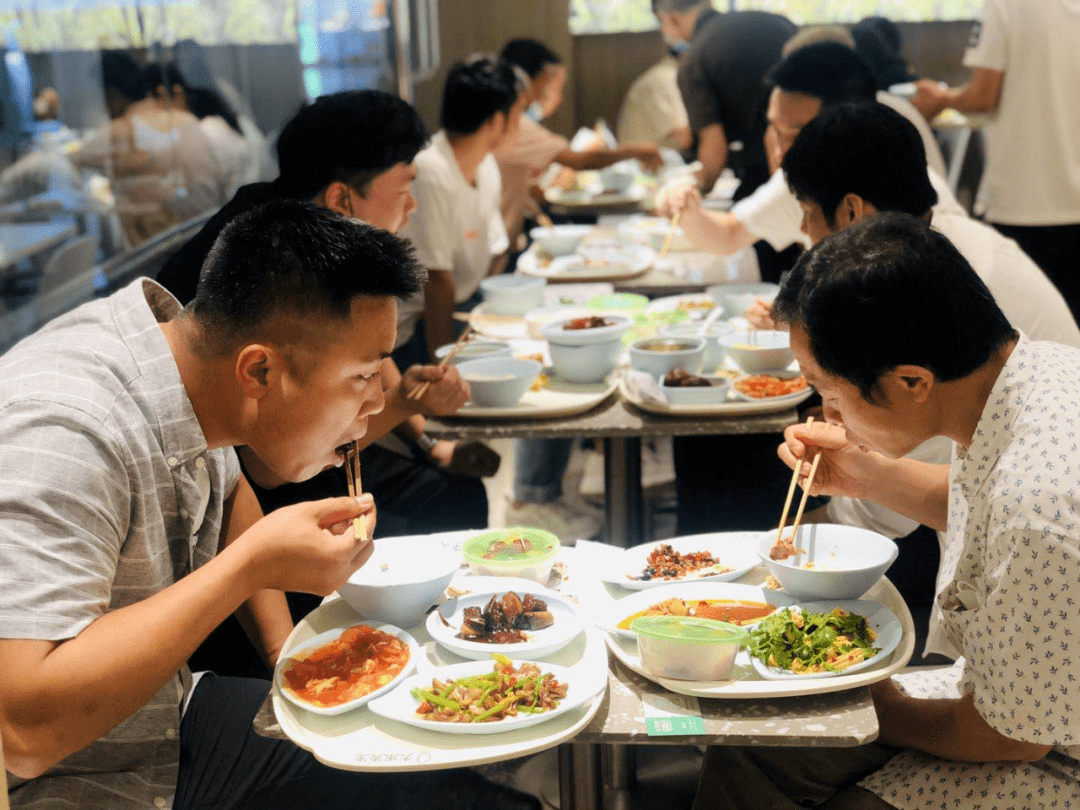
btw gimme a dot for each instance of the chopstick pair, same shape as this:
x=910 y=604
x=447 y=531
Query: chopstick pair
x=352 y=476
x=459 y=344
x=664 y=248
x=802 y=501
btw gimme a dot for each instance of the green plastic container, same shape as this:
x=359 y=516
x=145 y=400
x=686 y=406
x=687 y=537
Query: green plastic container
x=492 y=554
x=688 y=648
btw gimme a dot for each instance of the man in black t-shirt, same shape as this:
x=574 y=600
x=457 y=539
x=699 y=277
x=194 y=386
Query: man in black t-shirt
x=722 y=82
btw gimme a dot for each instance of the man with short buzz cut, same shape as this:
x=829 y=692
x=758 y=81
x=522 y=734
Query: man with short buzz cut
x=721 y=77
x=904 y=342
x=458 y=228
x=353 y=152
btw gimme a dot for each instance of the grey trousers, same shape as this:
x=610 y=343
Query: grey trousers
x=786 y=778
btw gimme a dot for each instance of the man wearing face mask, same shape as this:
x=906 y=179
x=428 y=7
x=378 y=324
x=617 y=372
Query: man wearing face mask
x=721 y=79
x=522 y=160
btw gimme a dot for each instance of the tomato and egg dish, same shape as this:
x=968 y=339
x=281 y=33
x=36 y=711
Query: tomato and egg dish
x=361 y=660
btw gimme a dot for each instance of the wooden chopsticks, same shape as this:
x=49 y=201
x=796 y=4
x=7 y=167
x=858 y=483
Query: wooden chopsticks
x=670 y=235
x=791 y=493
x=352 y=476
x=459 y=344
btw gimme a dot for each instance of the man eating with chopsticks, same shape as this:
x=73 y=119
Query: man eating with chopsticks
x=904 y=342
x=127 y=533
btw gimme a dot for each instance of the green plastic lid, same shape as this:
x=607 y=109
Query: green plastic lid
x=630 y=302
x=498 y=547
x=689 y=629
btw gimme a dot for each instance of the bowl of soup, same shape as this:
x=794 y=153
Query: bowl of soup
x=657 y=356
x=829 y=561
x=517 y=551
x=714 y=352
x=512 y=294
x=585 y=350
x=560 y=240
x=737 y=298
x=758 y=349
x=499 y=382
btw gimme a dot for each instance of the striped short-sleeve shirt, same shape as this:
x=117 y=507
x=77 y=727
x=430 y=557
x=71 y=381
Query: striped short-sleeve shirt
x=108 y=495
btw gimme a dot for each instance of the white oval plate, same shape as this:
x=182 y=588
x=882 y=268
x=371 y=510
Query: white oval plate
x=332 y=635
x=730 y=407
x=400 y=705
x=539 y=643
x=794 y=398
x=594 y=196
x=734 y=550
x=643 y=600
x=683 y=303
x=557 y=398
x=882 y=620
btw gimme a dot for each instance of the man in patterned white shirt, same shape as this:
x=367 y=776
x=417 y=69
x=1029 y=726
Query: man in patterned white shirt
x=904 y=342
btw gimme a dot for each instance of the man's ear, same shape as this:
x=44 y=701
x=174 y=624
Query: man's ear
x=913 y=383
x=851 y=210
x=257 y=369
x=337 y=198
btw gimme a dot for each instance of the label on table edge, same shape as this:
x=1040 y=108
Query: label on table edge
x=672 y=715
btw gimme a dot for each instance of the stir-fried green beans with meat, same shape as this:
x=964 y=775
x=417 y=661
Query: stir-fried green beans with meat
x=492 y=696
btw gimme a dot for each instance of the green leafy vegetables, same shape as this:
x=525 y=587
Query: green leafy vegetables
x=812 y=642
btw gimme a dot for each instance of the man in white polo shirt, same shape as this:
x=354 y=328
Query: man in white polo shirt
x=1027 y=76
x=458 y=227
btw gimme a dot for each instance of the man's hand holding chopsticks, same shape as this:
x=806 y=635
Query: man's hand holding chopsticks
x=844 y=469
x=446 y=391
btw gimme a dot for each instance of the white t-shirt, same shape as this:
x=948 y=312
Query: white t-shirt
x=934 y=159
x=653 y=107
x=1032 y=174
x=772 y=213
x=456 y=227
x=1007 y=590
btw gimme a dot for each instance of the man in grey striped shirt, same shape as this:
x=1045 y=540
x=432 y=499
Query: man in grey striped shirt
x=126 y=532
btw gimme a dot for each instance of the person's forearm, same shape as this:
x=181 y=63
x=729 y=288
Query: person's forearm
x=980 y=94
x=265 y=616
x=715 y=231
x=86 y=686
x=915 y=489
x=597 y=158
x=949 y=729
x=712 y=153
x=439 y=309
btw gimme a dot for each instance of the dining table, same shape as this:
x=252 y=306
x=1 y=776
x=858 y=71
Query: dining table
x=595 y=741
x=19 y=241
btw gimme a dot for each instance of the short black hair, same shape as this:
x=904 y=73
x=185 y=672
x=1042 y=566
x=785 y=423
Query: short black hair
x=878 y=42
x=531 y=55
x=828 y=71
x=890 y=291
x=475 y=90
x=350 y=137
x=120 y=72
x=866 y=149
x=289 y=269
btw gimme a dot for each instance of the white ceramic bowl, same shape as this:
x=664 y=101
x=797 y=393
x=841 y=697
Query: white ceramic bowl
x=697 y=395
x=617 y=179
x=474 y=350
x=512 y=294
x=714 y=352
x=586 y=355
x=560 y=240
x=759 y=350
x=659 y=355
x=540 y=317
x=737 y=298
x=402 y=579
x=847 y=561
x=499 y=382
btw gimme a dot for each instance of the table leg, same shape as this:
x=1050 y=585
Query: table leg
x=623 y=510
x=579 y=776
x=617 y=763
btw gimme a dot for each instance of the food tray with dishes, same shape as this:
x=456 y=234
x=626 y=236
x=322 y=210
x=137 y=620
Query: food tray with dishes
x=387 y=733
x=592 y=262
x=551 y=398
x=882 y=606
x=732 y=405
x=592 y=195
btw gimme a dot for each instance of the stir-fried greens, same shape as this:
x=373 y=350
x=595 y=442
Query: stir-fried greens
x=486 y=698
x=813 y=642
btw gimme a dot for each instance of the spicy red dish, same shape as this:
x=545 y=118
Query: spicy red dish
x=588 y=322
x=355 y=664
x=761 y=386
